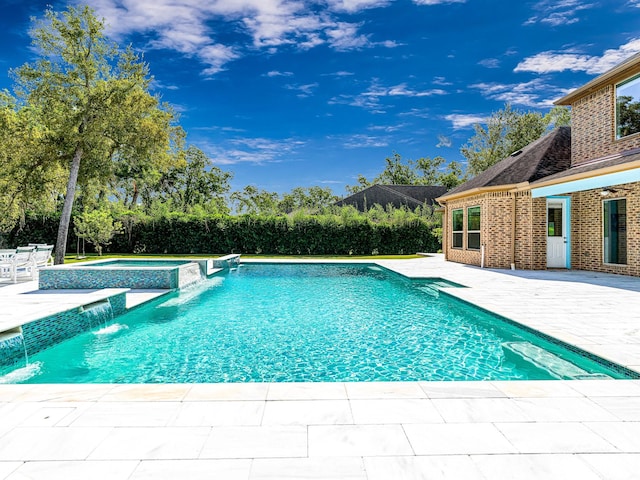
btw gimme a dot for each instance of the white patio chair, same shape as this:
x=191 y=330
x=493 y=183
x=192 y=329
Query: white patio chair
x=20 y=263
x=6 y=254
x=42 y=256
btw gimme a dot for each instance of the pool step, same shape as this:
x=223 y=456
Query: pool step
x=556 y=366
x=429 y=290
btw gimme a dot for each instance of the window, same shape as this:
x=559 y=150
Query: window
x=458 y=225
x=554 y=220
x=473 y=228
x=615 y=231
x=628 y=107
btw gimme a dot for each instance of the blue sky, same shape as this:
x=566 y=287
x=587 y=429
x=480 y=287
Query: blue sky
x=287 y=93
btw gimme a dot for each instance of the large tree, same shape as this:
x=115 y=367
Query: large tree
x=255 y=201
x=28 y=183
x=507 y=131
x=93 y=101
x=193 y=182
x=310 y=199
x=424 y=171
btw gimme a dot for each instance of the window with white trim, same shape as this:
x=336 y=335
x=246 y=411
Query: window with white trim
x=473 y=228
x=457 y=223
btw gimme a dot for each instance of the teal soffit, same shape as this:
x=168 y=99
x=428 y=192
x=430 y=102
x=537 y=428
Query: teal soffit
x=601 y=181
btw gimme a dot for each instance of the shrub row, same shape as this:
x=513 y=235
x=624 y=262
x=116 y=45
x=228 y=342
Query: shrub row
x=283 y=235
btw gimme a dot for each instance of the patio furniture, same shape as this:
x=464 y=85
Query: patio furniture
x=42 y=256
x=21 y=262
x=6 y=253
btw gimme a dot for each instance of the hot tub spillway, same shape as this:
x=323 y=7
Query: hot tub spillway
x=97 y=314
x=13 y=347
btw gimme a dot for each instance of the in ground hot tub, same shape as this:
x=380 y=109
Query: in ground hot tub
x=122 y=273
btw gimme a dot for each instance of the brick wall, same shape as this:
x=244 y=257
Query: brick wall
x=593 y=127
x=587 y=230
x=470 y=257
x=497 y=216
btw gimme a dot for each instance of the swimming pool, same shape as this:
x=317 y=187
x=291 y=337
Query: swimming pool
x=313 y=322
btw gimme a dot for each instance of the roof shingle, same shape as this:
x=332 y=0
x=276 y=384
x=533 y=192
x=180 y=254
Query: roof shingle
x=546 y=156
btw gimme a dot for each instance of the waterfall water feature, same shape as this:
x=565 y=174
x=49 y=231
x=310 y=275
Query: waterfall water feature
x=97 y=314
x=12 y=349
x=12 y=344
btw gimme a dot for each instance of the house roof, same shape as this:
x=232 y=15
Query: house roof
x=546 y=156
x=397 y=195
x=611 y=163
x=616 y=74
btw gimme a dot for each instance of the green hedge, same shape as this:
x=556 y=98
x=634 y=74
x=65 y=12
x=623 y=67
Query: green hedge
x=282 y=235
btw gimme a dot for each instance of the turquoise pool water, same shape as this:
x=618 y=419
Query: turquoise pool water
x=294 y=323
x=135 y=263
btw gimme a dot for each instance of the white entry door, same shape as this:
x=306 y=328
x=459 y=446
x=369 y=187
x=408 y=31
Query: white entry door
x=557 y=233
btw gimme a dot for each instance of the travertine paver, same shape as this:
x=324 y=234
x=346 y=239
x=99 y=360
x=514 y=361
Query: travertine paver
x=550 y=431
x=565 y=430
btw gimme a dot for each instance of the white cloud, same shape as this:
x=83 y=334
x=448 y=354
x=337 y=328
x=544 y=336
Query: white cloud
x=371 y=98
x=344 y=36
x=216 y=56
x=365 y=141
x=331 y=182
x=417 y=112
x=441 y=81
x=546 y=62
x=490 y=63
x=352 y=6
x=436 y=2
x=303 y=90
x=558 y=12
x=444 y=141
x=276 y=73
x=464 y=120
x=391 y=44
x=258 y=151
x=341 y=73
x=402 y=90
x=162 y=86
x=186 y=26
x=387 y=128
x=529 y=94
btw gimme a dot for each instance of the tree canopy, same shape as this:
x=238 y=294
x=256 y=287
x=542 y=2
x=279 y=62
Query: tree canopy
x=507 y=131
x=92 y=102
x=424 y=171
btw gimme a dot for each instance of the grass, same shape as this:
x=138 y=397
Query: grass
x=111 y=256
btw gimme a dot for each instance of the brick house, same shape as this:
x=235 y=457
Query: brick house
x=568 y=200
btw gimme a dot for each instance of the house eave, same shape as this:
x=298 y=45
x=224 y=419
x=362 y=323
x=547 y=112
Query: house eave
x=480 y=190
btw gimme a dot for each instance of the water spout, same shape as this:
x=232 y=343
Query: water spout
x=97 y=313
x=12 y=345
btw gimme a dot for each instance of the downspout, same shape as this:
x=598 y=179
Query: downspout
x=445 y=229
x=513 y=231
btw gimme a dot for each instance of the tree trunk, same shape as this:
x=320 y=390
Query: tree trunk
x=65 y=218
x=134 y=197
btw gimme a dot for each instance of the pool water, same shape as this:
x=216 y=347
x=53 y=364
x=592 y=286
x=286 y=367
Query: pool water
x=295 y=323
x=134 y=263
